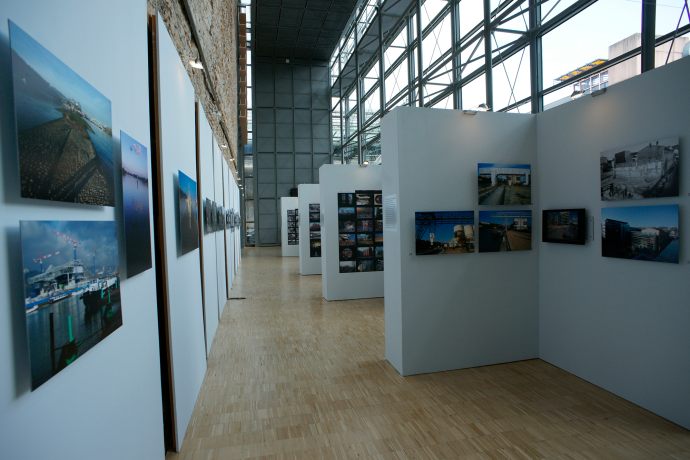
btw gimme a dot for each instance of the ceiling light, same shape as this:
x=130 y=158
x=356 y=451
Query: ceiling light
x=364 y=164
x=196 y=63
x=599 y=92
x=577 y=94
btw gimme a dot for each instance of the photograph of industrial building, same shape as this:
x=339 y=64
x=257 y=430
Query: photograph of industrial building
x=71 y=291
x=563 y=226
x=64 y=128
x=645 y=170
x=502 y=231
x=366 y=252
x=449 y=232
x=504 y=184
x=648 y=233
x=347 y=267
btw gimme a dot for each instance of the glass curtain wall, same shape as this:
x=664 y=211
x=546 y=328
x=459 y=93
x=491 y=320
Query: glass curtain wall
x=246 y=182
x=517 y=56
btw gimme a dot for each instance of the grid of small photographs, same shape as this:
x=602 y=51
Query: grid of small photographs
x=314 y=232
x=293 y=230
x=360 y=231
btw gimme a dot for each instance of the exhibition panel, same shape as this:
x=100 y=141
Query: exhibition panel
x=310 y=243
x=221 y=280
x=108 y=357
x=477 y=308
x=289 y=212
x=208 y=246
x=624 y=325
x=183 y=281
x=349 y=215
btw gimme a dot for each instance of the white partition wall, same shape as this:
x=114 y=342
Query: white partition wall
x=624 y=324
x=334 y=179
x=308 y=194
x=288 y=204
x=107 y=404
x=458 y=310
x=186 y=330
x=207 y=190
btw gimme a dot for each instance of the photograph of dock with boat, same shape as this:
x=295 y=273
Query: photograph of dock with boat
x=64 y=128
x=71 y=291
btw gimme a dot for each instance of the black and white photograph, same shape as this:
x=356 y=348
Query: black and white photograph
x=504 y=184
x=64 y=128
x=71 y=291
x=314 y=207
x=505 y=231
x=315 y=236
x=314 y=216
x=649 y=233
x=293 y=228
x=644 y=170
x=565 y=226
x=449 y=232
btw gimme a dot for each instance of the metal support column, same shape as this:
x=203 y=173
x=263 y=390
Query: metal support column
x=487 y=55
x=360 y=153
x=455 y=64
x=410 y=62
x=648 y=35
x=420 y=64
x=535 y=64
x=382 y=76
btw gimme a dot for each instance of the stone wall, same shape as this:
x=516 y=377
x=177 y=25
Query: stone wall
x=215 y=22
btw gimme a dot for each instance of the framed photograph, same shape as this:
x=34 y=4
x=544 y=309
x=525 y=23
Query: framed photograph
x=64 y=128
x=188 y=205
x=448 y=232
x=347 y=239
x=347 y=267
x=135 y=201
x=644 y=170
x=565 y=226
x=648 y=233
x=71 y=291
x=504 y=184
x=503 y=231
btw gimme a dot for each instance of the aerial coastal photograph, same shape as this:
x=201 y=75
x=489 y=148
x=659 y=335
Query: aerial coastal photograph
x=64 y=128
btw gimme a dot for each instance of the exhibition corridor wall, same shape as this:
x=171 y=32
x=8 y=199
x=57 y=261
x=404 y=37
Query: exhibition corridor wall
x=107 y=403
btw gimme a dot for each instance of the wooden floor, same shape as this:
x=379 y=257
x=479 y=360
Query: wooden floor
x=292 y=376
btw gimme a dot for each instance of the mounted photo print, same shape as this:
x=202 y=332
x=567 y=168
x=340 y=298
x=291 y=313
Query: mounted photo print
x=503 y=231
x=135 y=204
x=315 y=237
x=504 y=184
x=188 y=206
x=648 y=233
x=64 y=128
x=292 y=227
x=450 y=232
x=208 y=218
x=565 y=226
x=645 y=170
x=71 y=291
x=360 y=247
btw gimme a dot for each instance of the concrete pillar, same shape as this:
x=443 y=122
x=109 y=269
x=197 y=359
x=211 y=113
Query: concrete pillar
x=493 y=178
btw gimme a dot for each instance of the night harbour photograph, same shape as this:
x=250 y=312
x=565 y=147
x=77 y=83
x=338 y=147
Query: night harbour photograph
x=503 y=231
x=64 y=128
x=646 y=170
x=449 y=232
x=647 y=233
x=504 y=184
x=71 y=291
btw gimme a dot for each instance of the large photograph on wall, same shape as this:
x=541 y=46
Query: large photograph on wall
x=645 y=170
x=503 y=231
x=64 y=128
x=360 y=245
x=641 y=233
x=450 y=232
x=71 y=291
x=504 y=184
x=188 y=206
x=314 y=237
x=135 y=203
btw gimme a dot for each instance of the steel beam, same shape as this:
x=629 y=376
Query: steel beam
x=487 y=55
x=648 y=35
x=420 y=64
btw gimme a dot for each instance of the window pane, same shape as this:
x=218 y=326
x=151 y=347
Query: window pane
x=471 y=14
x=249 y=216
x=567 y=49
x=446 y=103
x=474 y=93
x=372 y=77
x=372 y=105
x=513 y=72
x=667 y=16
x=437 y=42
x=248 y=166
x=430 y=9
x=250 y=233
x=395 y=49
x=396 y=81
x=550 y=10
x=249 y=188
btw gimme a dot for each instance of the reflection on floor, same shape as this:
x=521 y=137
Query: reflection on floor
x=292 y=376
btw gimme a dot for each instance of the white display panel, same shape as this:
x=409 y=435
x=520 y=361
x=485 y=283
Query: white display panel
x=335 y=179
x=308 y=194
x=221 y=293
x=118 y=381
x=288 y=204
x=206 y=185
x=178 y=147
